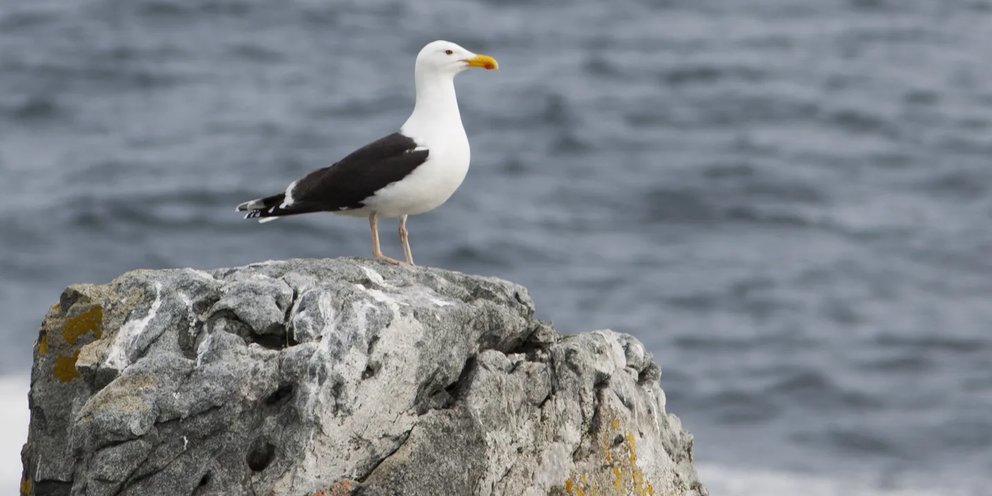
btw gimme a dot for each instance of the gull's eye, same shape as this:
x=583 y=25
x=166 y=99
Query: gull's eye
x=448 y=52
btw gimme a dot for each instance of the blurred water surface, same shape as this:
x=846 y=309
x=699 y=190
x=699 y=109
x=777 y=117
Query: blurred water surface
x=787 y=201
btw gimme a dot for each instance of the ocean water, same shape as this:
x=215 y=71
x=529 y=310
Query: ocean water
x=788 y=201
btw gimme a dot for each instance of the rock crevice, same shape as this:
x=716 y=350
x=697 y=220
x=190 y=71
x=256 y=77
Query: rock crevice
x=339 y=377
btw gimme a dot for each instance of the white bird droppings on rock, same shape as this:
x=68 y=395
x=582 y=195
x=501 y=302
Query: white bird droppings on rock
x=117 y=355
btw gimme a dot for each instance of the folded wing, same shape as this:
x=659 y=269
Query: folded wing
x=346 y=184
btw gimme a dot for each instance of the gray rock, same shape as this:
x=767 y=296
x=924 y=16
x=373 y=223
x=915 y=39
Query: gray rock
x=339 y=377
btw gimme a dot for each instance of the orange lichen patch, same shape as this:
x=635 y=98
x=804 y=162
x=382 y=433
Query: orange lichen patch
x=87 y=321
x=43 y=343
x=342 y=487
x=25 y=486
x=569 y=486
x=65 y=367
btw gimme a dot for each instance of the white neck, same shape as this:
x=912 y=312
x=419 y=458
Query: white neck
x=436 y=106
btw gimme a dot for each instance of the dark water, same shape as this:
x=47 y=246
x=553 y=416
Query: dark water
x=788 y=201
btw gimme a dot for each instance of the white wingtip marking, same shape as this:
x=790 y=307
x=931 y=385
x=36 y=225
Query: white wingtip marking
x=288 y=200
x=263 y=220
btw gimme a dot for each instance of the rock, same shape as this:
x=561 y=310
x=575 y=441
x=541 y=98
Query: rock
x=334 y=377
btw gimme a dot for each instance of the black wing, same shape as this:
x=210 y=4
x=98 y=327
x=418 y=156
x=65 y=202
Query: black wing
x=346 y=184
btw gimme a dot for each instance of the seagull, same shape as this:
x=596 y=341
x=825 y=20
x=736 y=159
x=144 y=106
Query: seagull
x=406 y=173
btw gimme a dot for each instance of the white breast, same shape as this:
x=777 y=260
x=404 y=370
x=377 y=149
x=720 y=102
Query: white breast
x=430 y=184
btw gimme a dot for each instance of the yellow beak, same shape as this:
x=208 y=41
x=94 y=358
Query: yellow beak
x=483 y=61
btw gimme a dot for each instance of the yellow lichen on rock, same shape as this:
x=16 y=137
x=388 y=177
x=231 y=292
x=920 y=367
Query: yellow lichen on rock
x=617 y=478
x=580 y=487
x=628 y=477
x=623 y=476
x=65 y=367
x=89 y=320
x=25 y=486
x=74 y=327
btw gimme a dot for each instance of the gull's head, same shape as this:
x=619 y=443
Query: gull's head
x=445 y=57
